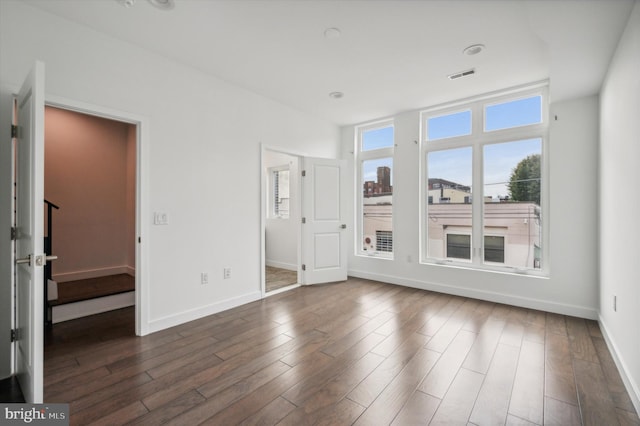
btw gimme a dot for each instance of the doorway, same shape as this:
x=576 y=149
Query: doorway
x=282 y=218
x=90 y=177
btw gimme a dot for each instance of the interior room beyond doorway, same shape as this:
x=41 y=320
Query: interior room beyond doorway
x=90 y=173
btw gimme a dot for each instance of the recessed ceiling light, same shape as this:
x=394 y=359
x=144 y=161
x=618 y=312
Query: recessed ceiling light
x=126 y=3
x=474 y=49
x=336 y=95
x=332 y=33
x=163 y=4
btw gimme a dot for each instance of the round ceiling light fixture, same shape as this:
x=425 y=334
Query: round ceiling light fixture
x=336 y=95
x=163 y=4
x=474 y=49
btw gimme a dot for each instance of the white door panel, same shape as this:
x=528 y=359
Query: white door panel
x=324 y=246
x=30 y=235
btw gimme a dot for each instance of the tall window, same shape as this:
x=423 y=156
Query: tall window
x=375 y=185
x=484 y=182
x=279 y=193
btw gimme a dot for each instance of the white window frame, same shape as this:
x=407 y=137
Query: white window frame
x=271 y=214
x=478 y=139
x=360 y=157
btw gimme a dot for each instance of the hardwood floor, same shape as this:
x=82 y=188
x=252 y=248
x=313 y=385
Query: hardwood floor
x=277 y=278
x=358 y=352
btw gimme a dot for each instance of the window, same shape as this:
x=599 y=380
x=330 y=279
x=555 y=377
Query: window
x=449 y=125
x=384 y=241
x=375 y=186
x=493 y=249
x=459 y=246
x=494 y=145
x=279 y=193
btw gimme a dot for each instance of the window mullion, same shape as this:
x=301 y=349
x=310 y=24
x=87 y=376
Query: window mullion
x=478 y=190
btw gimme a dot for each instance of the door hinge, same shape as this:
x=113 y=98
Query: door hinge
x=14 y=131
x=14 y=233
x=304 y=220
x=304 y=173
x=13 y=335
x=304 y=267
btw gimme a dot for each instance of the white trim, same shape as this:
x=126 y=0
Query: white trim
x=194 y=314
x=93 y=273
x=264 y=199
x=490 y=296
x=632 y=387
x=281 y=265
x=142 y=196
x=84 y=308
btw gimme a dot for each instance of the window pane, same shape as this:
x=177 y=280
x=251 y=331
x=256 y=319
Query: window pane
x=449 y=174
x=281 y=196
x=377 y=138
x=459 y=246
x=516 y=113
x=377 y=204
x=449 y=126
x=384 y=241
x=512 y=177
x=493 y=249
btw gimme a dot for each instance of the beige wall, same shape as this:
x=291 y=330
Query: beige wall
x=90 y=174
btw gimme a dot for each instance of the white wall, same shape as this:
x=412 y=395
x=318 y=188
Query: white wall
x=200 y=165
x=282 y=234
x=571 y=287
x=620 y=205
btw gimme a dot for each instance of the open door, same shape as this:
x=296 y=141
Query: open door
x=324 y=236
x=29 y=222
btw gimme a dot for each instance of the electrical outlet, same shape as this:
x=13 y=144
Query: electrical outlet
x=227 y=273
x=204 y=278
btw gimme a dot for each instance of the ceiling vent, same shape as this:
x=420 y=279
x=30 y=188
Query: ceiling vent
x=462 y=74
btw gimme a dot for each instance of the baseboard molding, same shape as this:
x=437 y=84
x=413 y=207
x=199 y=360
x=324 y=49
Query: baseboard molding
x=194 y=314
x=69 y=311
x=632 y=387
x=281 y=265
x=94 y=273
x=524 y=302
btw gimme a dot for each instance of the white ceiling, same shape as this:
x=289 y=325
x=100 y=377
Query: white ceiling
x=392 y=56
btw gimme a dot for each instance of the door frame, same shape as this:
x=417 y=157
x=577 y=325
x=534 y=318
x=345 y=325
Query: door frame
x=141 y=226
x=264 y=200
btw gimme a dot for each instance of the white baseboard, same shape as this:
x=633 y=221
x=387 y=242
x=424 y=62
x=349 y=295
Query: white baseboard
x=194 y=314
x=524 y=302
x=281 y=265
x=633 y=388
x=98 y=305
x=94 y=273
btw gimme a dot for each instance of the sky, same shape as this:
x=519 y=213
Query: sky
x=456 y=164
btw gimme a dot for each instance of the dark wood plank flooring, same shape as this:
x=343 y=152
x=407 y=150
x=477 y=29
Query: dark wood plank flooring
x=358 y=352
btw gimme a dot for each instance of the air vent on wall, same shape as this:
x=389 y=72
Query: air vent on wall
x=462 y=74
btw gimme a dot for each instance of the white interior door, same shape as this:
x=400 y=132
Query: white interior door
x=29 y=235
x=324 y=236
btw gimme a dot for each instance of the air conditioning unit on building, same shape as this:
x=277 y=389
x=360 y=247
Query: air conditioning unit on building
x=369 y=243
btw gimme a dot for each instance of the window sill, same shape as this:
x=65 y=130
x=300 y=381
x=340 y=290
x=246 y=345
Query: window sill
x=530 y=273
x=375 y=256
